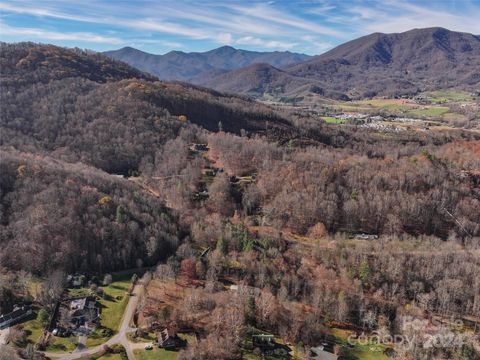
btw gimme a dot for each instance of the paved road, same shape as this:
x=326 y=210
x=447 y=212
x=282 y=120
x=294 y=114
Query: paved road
x=120 y=338
x=127 y=317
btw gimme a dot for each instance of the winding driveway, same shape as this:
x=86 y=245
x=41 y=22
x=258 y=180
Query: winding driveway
x=119 y=338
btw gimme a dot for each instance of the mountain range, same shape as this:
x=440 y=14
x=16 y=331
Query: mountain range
x=179 y=65
x=376 y=64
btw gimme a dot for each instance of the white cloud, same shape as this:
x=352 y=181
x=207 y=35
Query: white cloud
x=171 y=44
x=417 y=16
x=312 y=27
x=367 y=13
x=53 y=35
x=273 y=15
x=394 y=16
x=225 y=38
x=35 y=11
x=317 y=46
x=169 y=28
x=219 y=18
x=270 y=44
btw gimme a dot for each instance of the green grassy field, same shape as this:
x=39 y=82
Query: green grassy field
x=58 y=344
x=33 y=329
x=429 y=111
x=149 y=337
x=115 y=303
x=359 y=351
x=155 y=354
x=442 y=96
x=96 y=338
x=332 y=120
x=79 y=292
x=110 y=357
x=405 y=107
x=113 y=307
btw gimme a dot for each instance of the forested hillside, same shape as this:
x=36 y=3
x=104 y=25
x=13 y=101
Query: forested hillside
x=76 y=105
x=24 y=64
x=75 y=217
x=258 y=219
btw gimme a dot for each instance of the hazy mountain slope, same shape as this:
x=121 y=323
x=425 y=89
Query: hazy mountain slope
x=178 y=65
x=379 y=64
x=253 y=79
x=260 y=79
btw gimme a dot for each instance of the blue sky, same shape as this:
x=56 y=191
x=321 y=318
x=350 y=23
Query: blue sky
x=310 y=27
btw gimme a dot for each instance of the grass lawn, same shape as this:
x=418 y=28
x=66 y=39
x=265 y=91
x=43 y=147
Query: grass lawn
x=113 y=307
x=149 y=337
x=75 y=292
x=398 y=107
x=96 y=338
x=332 y=120
x=393 y=106
x=440 y=96
x=352 y=107
x=155 y=354
x=59 y=344
x=33 y=329
x=385 y=102
x=429 y=111
x=358 y=351
x=364 y=352
x=110 y=357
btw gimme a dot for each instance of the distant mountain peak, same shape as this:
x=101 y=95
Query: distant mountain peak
x=179 y=65
x=227 y=48
x=375 y=64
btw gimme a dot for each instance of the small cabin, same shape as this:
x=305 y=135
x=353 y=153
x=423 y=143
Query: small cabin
x=167 y=339
x=83 y=309
x=263 y=341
